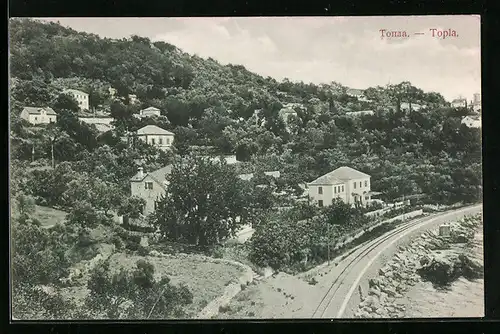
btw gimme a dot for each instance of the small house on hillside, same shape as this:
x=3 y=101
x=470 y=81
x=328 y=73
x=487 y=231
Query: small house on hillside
x=150 y=186
x=459 y=103
x=156 y=136
x=408 y=106
x=148 y=112
x=81 y=98
x=38 y=115
x=346 y=183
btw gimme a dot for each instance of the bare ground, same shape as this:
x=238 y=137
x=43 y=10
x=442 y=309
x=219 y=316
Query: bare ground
x=281 y=296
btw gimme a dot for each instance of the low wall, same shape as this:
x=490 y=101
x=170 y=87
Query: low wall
x=360 y=233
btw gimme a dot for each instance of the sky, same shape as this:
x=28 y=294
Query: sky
x=348 y=50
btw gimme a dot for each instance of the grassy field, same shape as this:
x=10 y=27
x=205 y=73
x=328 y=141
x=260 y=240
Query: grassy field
x=46 y=215
x=206 y=280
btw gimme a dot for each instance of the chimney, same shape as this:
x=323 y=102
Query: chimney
x=140 y=172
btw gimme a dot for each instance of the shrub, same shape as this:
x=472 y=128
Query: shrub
x=224 y=308
x=143 y=251
x=146 y=297
x=313 y=281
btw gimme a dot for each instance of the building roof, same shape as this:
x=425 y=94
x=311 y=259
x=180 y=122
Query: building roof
x=151 y=109
x=340 y=175
x=153 y=130
x=246 y=177
x=38 y=110
x=354 y=91
x=458 y=100
x=159 y=175
x=74 y=91
x=362 y=112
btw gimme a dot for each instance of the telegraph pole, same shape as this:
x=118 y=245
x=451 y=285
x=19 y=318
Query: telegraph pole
x=33 y=153
x=328 y=243
x=52 y=139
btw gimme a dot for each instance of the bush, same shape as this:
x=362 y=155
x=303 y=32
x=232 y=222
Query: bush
x=143 y=251
x=146 y=297
x=224 y=308
x=118 y=242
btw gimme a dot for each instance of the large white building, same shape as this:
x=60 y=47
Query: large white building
x=81 y=98
x=36 y=115
x=346 y=183
x=156 y=136
x=472 y=121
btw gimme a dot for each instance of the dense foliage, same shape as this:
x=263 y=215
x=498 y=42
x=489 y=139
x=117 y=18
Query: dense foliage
x=134 y=294
x=222 y=108
x=299 y=238
x=202 y=204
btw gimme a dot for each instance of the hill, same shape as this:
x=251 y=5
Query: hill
x=206 y=103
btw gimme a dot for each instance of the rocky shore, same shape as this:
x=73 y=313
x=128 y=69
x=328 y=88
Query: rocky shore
x=430 y=258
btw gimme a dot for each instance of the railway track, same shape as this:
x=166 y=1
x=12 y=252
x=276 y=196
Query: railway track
x=363 y=250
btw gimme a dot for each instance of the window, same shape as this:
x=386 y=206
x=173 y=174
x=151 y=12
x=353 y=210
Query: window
x=36 y=118
x=334 y=190
x=342 y=188
x=320 y=190
x=320 y=203
x=360 y=184
x=148 y=185
x=160 y=141
x=366 y=183
x=354 y=185
x=156 y=205
x=168 y=141
x=152 y=141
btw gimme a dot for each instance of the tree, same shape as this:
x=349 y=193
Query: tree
x=202 y=202
x=132 y=207
x=134 y=295
x=37 y=256
x=66 y=102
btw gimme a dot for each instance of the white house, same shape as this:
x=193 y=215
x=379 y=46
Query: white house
x=472 y=121
x=36 y=115
x=150 y=186
x=406 y=106
x=348 y=184
x=156 y=136
x=459 y=103
x=151 y=111
x=81 y=98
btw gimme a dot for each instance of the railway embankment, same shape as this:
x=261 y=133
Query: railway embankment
x=431 y=260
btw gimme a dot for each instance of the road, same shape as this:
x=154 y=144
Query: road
x=341 y=284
